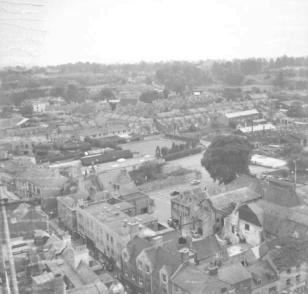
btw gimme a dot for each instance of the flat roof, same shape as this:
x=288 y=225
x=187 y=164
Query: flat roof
x=267 y=161
x=124 y=164
x=114 y=218
x=241 y=113
x=257 y=128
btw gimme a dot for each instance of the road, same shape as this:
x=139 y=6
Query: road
x=162 y=197
x=162 y=208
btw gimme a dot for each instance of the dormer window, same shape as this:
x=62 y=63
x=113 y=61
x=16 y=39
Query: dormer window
x=147 y=268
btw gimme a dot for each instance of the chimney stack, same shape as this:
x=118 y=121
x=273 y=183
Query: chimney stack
x=157 y=241
x=213 y=270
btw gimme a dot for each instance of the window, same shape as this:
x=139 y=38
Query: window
x=233 y=229
x=139 y=264
x=133 y=277
x=288 y=282
x=111 y=240
x=164 y=278
x=247 y=227
x=288 y=270
x=140 y=281
x=298 y=278
x=272 y=290
x=147 y=268
x=107 y=237
x=223 y=290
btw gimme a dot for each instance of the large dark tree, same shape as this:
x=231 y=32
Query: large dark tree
x=227 y=157
x=105 y=94
x=150 y=96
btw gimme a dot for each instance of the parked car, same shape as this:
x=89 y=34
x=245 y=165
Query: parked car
x=195 y=182
x=174 y=193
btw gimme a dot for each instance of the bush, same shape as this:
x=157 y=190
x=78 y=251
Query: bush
x=183 y=153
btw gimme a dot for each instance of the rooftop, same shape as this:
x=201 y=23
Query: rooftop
x=196 y=281
x=190 y=196
x=233 y=273
x=262 y=273
x=242 y=113
x=288 y=252
x=43 y=278
x=43 y=177
x=251 y=213
x=238 y=196
x=206 y=248
x=281 y=193
x=113 y=217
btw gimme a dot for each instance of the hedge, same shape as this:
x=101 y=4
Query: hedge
x=183 y=153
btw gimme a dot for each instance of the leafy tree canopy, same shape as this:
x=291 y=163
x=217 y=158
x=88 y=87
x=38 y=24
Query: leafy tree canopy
x=179 y=75
x=150 y=96
x=105 y=94
x=227 y=157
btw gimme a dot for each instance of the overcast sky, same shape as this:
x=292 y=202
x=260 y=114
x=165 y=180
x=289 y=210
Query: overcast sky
x=62 y=31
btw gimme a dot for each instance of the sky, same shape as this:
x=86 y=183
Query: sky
x=50 y=32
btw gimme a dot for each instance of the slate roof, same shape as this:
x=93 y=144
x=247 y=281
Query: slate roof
x=281 y=193
x=245 y=181
x=195 y=281
x=44 y=178
x=238 y=196
x=97 y=288
x=248 y=215
x=206 y=248
x=160 y=257
x=233 y=273
x=288 y=252
x=86 y=274
x=24 y=211
x=262 y=271
x=135 y=246
x=190 y=196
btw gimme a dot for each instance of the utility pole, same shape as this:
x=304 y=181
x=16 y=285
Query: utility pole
x=295 y=174
x=6 y=251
